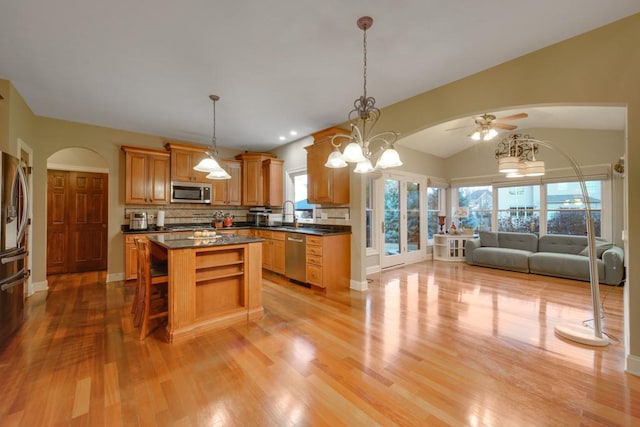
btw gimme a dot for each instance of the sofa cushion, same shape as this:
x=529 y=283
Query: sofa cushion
x=507 y=259
x=488 y=239
x=562 y=244
x=522 y=241
x=563 y=265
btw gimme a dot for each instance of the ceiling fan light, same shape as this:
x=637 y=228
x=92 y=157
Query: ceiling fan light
x=490 y=134
x=508 y=164
x=476 y=135
x=335 y=159
x=364 y=167
x=389 y=159
x=353 y=153
x=208 y=164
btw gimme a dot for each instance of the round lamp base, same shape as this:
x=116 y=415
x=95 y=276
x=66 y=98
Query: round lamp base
x=580 y=333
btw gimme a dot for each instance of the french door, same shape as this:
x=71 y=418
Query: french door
x=404 y=223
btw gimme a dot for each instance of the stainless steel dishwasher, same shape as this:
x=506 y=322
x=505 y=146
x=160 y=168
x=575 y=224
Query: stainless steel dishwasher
x=295 y=260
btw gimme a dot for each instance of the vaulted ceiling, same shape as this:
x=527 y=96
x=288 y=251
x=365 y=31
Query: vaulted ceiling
x=150 y=65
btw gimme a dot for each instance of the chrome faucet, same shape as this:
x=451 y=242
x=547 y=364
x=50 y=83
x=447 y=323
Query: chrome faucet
x=293 y=210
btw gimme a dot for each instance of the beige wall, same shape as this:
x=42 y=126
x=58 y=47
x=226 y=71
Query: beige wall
x=5 y=91
x=599 y=67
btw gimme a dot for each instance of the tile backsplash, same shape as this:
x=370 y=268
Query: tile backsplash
x=181 y=214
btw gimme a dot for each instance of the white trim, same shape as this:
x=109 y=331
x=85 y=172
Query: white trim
x=633 y=365
x=372 y=269
x=76 y=168
x=40 y=286
x=359 y=286
x=115 y=277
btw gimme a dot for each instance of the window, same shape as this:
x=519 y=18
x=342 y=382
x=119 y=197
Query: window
x=434 y=207
x=519 y=209
x=479 y=200
x=303 y=209
x=566 y=210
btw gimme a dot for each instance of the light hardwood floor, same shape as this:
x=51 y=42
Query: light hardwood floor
x=429 y=344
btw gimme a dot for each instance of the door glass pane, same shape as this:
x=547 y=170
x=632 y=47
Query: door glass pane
x=391 y=217
x=413 y=216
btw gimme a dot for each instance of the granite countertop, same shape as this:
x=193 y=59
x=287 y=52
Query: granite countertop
x=172 y=241
x=309 y=229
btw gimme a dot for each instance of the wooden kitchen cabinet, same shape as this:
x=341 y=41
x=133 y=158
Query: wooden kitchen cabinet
x=183 y=158
x=272 y=172
x=228 y=191
x=131 y=253
x=258 y=189
x=326 y=185
x=147 y=176
x=329 y=261
x=273 y=255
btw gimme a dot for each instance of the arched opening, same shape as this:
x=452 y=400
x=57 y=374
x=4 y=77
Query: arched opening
x=77 y=211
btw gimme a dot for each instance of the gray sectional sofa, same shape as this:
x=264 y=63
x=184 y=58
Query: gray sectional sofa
x=550 y=255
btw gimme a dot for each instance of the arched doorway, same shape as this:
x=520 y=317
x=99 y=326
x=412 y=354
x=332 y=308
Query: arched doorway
x=77 y=211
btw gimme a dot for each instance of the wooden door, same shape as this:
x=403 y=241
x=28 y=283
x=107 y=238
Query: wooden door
x=88 y=206
x=234 y=185
x=57 y=230
x=77 y=208
x=159 y=179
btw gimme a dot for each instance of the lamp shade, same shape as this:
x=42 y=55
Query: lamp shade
x=353 y=153
x=389 y=159
x=364 y=167
x=490 y=134
x=508 y=164
x=207 y=164
x=534 y=168
x=218 y=174
x=335 y=159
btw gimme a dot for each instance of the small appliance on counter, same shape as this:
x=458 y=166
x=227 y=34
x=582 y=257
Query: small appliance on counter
x=138 y=221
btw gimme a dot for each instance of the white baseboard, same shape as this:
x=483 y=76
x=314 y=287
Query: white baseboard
x=358 y=286
x=40 y=286
x=373 y=269
x=633 y=365
x=115 y=277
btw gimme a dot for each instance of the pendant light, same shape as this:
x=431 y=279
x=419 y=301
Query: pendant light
x=211 y=163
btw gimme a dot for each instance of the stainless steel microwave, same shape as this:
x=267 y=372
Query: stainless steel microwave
x=190 y=192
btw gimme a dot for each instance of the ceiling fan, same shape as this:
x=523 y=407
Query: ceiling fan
x=486 y=124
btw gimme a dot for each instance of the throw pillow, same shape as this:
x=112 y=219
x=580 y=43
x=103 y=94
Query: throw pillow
x=600 y=248
x=487 y=238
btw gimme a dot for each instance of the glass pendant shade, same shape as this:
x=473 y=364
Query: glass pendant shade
x=508 y=164
x=335 y=159
x=218 y=174
x=364 y=167
x=534 y=168
x=353 y=153
x=208 y=164
x=476 y=135
x=389 y=159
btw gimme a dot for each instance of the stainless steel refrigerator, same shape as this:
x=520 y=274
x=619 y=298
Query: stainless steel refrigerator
x=14 y=200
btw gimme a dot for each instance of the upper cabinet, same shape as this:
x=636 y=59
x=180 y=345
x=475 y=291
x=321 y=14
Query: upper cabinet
x=147 y=176
x=228 y=191
x=326 y=185
x=183 y=159
x=261 y=179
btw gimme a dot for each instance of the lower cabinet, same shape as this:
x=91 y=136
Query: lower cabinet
x=329 y=261
x=272 y=250
x=131 y=254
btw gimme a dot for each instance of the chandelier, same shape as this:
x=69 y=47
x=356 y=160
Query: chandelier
x=516 y=156
x=211 y=163
x=362 y=119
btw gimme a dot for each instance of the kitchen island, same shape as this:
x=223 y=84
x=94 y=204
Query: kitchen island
x=214 y=281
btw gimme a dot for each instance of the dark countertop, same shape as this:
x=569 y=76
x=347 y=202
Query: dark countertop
x=170 y=241
x=309 y=229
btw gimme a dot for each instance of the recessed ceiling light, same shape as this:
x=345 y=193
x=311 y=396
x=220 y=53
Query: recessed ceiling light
x=282 y=138
x=293 y=133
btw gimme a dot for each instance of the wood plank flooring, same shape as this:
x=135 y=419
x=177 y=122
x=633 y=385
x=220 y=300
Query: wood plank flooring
x=430 y=344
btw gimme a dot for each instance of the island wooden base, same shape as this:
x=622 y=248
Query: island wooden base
x=212 y=287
